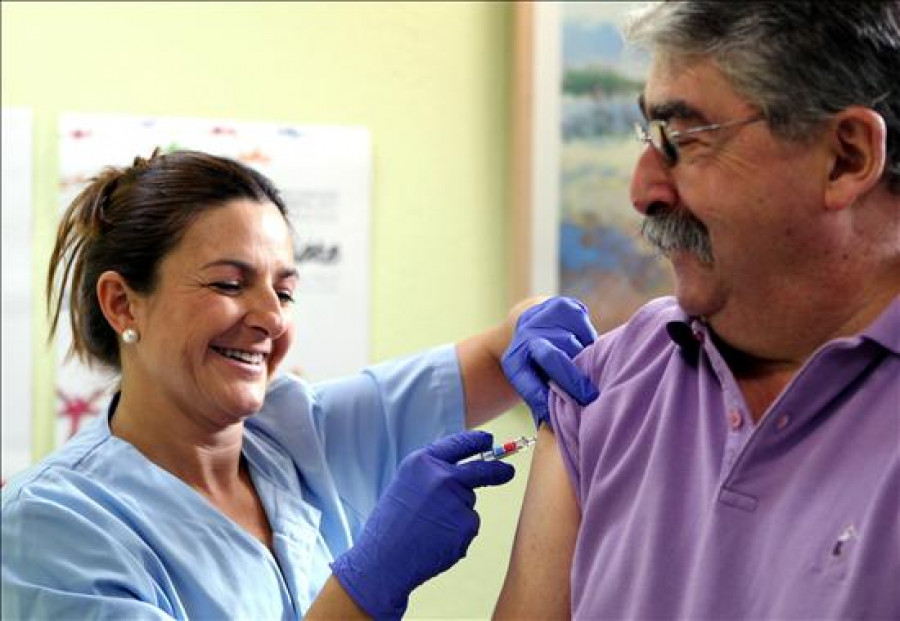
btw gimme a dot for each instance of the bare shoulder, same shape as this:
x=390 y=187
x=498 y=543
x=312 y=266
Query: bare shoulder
x=537 y=581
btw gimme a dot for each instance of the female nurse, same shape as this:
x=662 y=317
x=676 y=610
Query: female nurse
x=214 y=487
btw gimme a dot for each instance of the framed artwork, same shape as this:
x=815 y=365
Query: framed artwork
x=574 y=149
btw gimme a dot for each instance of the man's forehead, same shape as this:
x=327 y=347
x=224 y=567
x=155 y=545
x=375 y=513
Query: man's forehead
x=670 y=109
x=687 y=89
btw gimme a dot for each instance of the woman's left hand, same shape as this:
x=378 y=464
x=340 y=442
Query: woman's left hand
x=421 y=526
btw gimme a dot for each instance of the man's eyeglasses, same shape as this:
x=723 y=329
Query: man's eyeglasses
x=666 y=141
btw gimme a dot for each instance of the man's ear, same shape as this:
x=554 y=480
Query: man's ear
x=858 y=143
x=117 y=301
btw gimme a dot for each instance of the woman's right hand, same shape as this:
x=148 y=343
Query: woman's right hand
x=548 y=336
x=421 y=526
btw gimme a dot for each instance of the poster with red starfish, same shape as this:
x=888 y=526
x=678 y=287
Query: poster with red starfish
x=76 y=409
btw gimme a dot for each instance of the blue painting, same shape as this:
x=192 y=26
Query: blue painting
x=602 y=259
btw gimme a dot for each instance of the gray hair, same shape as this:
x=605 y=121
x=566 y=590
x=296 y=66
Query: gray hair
x=798 y=61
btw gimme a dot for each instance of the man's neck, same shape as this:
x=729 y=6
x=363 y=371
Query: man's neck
x=763 y=367
x=760 y=380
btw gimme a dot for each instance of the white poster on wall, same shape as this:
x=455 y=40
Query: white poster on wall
x=16 y=318
x=324 y=174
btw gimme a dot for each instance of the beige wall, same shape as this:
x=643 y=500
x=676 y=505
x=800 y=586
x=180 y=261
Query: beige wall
x=430 y=80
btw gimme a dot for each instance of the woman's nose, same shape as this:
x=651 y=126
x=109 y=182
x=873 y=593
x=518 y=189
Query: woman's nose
x=268 y=314
x=651 y=182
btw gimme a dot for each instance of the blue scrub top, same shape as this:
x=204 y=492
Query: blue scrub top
x=97 y=530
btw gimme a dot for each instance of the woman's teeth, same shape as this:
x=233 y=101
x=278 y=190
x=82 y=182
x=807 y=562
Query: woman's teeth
x=243 y=356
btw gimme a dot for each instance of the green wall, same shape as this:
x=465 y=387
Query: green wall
x=430 y=80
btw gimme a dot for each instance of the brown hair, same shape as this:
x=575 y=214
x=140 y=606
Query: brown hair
x=127 y=220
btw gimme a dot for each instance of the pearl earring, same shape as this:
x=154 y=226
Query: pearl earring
x=130 y=336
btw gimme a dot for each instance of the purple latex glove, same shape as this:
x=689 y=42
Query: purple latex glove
x=548 y=336
x=421 y=526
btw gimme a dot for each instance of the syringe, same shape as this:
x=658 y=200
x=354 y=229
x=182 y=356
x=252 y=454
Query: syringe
x=502 y=451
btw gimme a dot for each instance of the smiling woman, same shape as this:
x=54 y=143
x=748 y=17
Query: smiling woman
x=218 y=322
x=214 y=488
x=146 y=207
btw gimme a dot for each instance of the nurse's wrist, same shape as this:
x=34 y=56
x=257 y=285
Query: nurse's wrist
x=335 y=602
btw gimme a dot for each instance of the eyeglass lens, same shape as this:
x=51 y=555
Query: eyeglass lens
x=659 y=137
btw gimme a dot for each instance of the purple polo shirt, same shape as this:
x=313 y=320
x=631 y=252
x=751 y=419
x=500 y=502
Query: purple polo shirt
x=690 y=510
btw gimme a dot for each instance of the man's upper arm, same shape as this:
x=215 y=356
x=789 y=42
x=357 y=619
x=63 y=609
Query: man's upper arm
x=538 y=579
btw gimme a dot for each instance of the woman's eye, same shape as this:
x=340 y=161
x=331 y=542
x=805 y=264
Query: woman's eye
x=227 y=286
x=286 y=296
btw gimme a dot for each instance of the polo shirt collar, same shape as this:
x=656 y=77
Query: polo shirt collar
x=885 y=330
x=689 y=332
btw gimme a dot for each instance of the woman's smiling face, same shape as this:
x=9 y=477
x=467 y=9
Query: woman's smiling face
x=220 y=318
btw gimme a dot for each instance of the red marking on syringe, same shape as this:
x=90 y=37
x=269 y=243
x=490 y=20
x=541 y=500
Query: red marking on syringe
x=510 y=447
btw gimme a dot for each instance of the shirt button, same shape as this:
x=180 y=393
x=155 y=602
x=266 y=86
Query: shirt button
x=737 y=421
x=782 y=422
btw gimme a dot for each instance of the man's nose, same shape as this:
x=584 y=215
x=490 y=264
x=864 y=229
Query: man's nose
x=651 y=183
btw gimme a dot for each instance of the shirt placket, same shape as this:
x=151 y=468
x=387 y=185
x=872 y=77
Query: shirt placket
x=737 y=420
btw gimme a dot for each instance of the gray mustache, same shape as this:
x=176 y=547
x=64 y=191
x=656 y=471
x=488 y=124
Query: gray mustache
x=672 y=230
